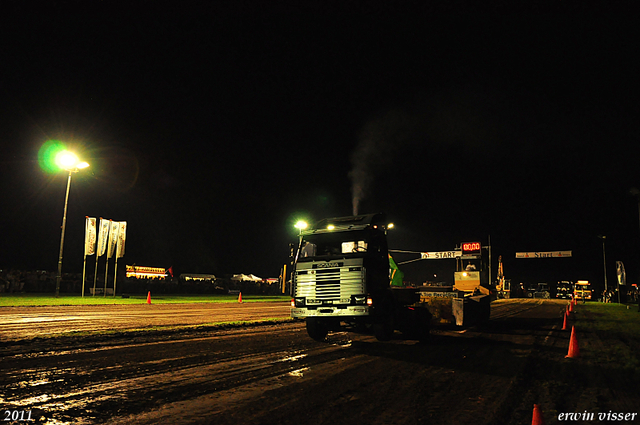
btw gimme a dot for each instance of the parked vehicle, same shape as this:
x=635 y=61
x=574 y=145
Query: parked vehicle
x=583 y=290
x=564 y=290
x=539 y=291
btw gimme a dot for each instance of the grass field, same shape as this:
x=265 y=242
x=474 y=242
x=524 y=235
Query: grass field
x=617 y=327
x=612 y=317
x=26 y=300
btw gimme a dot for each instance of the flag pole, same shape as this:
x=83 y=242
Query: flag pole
x=106 y=269
x=115 y=276
x=98 y=244
x=95 y=275
x=84 y=267
x=108 y=248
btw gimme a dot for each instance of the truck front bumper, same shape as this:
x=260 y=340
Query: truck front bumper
x=349 y=311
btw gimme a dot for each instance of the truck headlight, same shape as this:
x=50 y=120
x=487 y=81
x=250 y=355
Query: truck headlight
x=359 y=299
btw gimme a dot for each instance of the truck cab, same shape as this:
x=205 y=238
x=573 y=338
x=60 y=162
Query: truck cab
x=340 y=277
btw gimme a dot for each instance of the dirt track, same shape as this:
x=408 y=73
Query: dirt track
x=277 y=375
x=28 y=322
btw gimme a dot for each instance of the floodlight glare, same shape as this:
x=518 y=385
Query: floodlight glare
x=390 y=226
x=301 y=225
x=331 y=227
x=66 y=160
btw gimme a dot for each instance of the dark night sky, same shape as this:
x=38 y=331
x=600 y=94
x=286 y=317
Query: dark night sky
x=212 y=126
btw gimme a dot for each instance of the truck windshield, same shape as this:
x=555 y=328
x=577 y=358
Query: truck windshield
x=335 y=244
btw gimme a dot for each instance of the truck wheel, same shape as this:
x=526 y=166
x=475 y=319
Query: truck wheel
x=423 y=325
x=383 y=330
x=316 y=329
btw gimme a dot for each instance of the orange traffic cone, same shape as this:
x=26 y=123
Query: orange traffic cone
x=564 y=324
x=149 y=298
x=574 y=350
x=570 y=307
x=240 y=297
x=537 y=416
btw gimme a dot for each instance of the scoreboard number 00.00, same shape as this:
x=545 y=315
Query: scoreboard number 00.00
x=471 y=246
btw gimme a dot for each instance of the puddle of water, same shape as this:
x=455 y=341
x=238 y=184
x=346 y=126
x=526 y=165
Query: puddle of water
x=56 y=422
x=292 y=358
x=32 y=400
x=298 y=373
x=24 y=384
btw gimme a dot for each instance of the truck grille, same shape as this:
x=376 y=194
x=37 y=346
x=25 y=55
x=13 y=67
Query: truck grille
x=324 y=284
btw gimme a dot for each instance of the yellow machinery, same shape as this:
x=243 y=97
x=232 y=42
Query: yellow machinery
x=583 y=290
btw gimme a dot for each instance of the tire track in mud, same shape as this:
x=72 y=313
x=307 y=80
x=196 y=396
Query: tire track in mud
x=91 y=384
x=503 y=310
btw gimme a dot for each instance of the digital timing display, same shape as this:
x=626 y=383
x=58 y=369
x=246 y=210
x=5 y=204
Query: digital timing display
x=469 y=247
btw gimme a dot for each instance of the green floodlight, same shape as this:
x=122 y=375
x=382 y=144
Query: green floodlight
x=48 y=154
x=301 y=225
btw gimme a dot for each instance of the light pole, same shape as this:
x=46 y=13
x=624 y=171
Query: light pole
x=69 y=162
x=635 y=192
x=604 y=263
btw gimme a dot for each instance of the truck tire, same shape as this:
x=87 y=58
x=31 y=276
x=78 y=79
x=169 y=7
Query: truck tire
x=383 y=330
x=423 y=325
x=316 y=329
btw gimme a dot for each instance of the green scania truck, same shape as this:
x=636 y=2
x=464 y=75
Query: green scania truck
x=342 y=278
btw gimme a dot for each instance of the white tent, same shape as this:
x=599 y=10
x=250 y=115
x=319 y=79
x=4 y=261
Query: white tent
x=244 y=277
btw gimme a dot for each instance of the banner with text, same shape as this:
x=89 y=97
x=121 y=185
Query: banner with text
x=103 y=234
x=122 y=237
x=440 y=255
x=543 y=254
x=90 y=236
x=113 y=237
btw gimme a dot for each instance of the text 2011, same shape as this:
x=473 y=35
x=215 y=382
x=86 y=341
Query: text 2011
x=17 y=415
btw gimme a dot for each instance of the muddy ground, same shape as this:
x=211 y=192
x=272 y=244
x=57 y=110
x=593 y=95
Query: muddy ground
x=28 y=322
x=275 y=374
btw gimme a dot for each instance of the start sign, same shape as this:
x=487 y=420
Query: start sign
x=471 y=247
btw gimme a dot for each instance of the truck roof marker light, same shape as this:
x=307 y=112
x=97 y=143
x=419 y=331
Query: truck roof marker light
x=369 y=301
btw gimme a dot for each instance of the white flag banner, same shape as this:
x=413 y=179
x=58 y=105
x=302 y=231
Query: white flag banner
x=113 y=237
x=122 y=237
x=622 y=275
x=90 y=236
x=103 y=234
